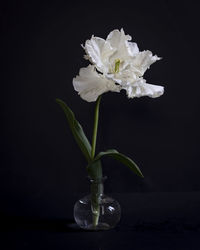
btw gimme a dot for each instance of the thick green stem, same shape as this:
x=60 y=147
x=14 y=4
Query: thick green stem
x=96 y=119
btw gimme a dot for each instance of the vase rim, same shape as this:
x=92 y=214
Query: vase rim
x=97 y=180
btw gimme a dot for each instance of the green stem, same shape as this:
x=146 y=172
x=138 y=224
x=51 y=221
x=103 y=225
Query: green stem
x=96 y=193
x=96 y=119
x=96 y=172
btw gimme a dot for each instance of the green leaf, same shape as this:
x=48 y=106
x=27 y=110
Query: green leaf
x=120 y=157
x=76 y=130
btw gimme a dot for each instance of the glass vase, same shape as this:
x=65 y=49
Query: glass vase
x=97 y=211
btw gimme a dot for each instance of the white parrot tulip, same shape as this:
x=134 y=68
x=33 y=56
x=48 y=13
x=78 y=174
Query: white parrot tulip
x=116 y=64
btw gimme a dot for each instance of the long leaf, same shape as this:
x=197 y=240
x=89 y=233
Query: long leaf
x=76 y=130
x=120 y=157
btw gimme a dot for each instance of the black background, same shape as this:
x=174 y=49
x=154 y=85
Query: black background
x=41 y=166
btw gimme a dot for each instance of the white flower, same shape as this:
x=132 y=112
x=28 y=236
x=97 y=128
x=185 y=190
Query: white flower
x=120 y=65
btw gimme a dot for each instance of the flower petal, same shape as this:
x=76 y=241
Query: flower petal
x=98 y=52
x=133 y=48
x=89 y=84
x=119 y=41
x=141 y=88
x=143 y=60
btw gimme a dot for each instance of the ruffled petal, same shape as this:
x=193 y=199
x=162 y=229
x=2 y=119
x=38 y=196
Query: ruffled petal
x=143 y=60
x=141 y=88
x=98 y=52
x=89 y=84
x=124 y=76
x=117 y=38
x=133 y=48
x=119 y=41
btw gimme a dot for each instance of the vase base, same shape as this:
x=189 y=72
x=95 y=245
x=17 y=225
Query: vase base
x=99 y=227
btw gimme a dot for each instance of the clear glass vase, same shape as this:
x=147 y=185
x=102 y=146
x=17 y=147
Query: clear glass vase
x=97 y=211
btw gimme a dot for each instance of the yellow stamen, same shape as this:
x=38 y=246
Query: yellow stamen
x=117 y=63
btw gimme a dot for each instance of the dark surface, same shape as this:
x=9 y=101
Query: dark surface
x=149 y=221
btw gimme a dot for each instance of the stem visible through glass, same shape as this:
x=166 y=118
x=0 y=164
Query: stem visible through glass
x=96 y=119
x=97 y=171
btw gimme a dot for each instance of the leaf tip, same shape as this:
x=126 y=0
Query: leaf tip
x=141 y=175
x=58 y=100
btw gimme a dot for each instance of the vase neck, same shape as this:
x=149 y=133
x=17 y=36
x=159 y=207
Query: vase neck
x=97 y=186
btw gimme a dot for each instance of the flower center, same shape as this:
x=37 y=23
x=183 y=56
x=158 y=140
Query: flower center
x=117 y=63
